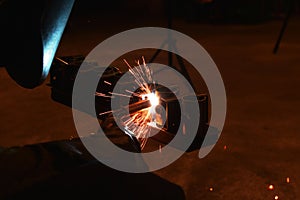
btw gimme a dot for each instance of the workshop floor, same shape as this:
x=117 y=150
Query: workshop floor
x=259 y=145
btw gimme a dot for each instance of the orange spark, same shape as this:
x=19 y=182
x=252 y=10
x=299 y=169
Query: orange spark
x=183 y=129
x=108 y=83
x=271 y=187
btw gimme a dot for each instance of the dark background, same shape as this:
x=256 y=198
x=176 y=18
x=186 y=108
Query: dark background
x=259 y=145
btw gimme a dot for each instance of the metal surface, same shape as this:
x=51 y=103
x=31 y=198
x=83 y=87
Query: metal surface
x=55 y=18
x=30 y=34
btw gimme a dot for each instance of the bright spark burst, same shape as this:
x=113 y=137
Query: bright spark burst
x=152 y=97
x=138 y=122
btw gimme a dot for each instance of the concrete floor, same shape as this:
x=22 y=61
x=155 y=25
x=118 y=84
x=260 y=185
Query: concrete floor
x=261 y=133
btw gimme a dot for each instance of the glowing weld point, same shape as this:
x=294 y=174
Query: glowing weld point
x=225 y=147
x=288 y=180
x=152 y=97
x=271 y=187
x=276 y=197
x=211 y=189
